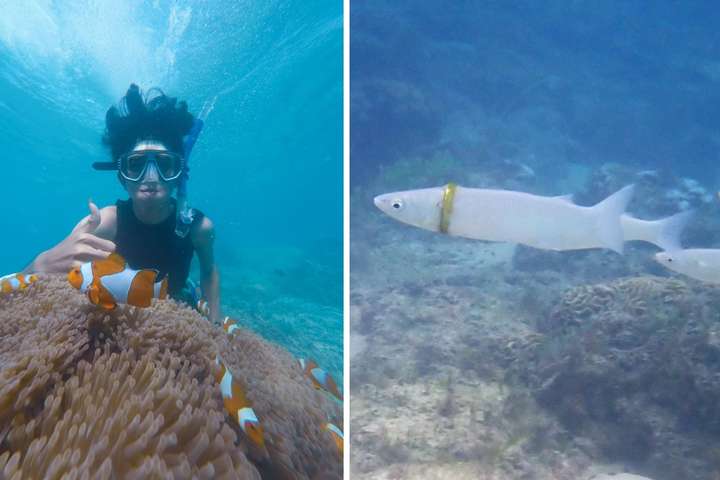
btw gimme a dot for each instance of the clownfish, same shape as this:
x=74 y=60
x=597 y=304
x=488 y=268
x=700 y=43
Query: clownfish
x=337 y=435
x=320 y=378
x=203 y=307
x=238 y=406
x=110 y=281
x=230 y=325
x=16 y=281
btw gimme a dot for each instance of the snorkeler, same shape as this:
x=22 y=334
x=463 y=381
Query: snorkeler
x=148 y=140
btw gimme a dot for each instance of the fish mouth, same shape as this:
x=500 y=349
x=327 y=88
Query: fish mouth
x=377 y=201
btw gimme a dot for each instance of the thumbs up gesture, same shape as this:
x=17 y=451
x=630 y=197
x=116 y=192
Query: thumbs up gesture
x=82 y=245
x=90 y=223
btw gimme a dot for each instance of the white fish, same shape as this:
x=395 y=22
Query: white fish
x=665 y=232
x=551 y=223
x=699 y=263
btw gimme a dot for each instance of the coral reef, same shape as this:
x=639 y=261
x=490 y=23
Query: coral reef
x=484 y=360
x=131 y=394
x=632 y=366
x=428 y=388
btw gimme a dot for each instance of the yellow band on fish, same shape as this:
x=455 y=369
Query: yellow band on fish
x=447 y=206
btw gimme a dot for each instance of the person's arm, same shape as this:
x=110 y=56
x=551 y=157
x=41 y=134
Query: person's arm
x=89 y=240
x=203 y=239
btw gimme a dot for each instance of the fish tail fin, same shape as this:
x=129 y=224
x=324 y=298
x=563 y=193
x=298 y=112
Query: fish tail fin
x=670 y=229
x=610 y=210
x=160 y=288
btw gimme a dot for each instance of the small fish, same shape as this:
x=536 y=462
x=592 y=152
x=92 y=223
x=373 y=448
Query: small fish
x=238 y=406
x=551 y=223
x=203 y=307
x=699 y=263
x=337 y=435
x=230 y=325
x=110 y=281
x=16 y=281
x=320 y=378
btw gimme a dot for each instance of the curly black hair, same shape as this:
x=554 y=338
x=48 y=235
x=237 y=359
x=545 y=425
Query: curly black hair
x=157 y=117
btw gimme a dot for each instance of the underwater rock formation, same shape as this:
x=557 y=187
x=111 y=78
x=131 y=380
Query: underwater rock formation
x=131 y=394
x=632 y=365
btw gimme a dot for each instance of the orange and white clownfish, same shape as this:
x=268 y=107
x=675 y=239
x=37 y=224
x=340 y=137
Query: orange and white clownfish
x=203 y=307
x=320 y=378
x=238 y=406
x=229 y=325
x=337 y=435
x=16 y=281
x=110 y=281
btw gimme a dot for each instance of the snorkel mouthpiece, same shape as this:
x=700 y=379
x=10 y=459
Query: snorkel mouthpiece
x=185 y=214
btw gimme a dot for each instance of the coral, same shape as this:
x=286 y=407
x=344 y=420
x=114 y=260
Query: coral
x=631 y=364
x=630 y=295
x=130 y=394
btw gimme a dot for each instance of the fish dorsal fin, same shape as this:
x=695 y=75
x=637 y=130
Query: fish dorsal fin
x=112 y=264
x=568 y=197
x=116 y=258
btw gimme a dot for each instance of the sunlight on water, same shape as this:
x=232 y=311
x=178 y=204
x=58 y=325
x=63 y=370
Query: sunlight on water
x=267 y=168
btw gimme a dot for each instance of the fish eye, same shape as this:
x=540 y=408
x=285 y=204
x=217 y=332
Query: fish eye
x=669 y=259
x=397 y=204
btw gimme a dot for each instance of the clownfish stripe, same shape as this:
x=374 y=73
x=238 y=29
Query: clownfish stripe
x=226 y=385
x=336 y=430
x=320 y=375
x=247 y=414
x=118 y=284
x=87 y=276
x=232 y=328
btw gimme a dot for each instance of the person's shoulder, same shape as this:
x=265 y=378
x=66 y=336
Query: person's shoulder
x=203 y=231
x=108 y=214
x=109 y=211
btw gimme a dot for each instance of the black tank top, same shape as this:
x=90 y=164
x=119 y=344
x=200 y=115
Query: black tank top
x=155 y=246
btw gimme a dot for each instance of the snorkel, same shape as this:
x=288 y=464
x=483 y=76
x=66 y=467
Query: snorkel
x=185 y=214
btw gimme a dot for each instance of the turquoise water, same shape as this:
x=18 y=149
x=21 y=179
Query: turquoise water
x=267 y=168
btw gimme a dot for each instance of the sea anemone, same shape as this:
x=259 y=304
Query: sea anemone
x=131 y=394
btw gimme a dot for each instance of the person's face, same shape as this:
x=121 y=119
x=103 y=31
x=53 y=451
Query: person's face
x=150 y=187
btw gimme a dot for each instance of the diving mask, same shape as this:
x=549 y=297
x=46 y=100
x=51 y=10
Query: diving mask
x=133 y=165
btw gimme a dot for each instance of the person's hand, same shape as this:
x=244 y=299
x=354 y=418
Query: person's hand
x=79 y=247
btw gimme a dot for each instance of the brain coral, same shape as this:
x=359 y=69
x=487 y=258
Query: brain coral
x=131 y=394
x=633 y=366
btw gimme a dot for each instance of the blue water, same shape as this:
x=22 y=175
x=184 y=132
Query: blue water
x=629 y=82
x=548 y=97
x=267 y=168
